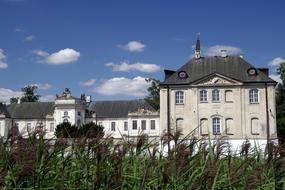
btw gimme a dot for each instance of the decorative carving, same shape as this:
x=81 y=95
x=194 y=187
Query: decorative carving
x=217 y=80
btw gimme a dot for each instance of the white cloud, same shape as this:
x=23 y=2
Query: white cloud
x=19 y=30
x=216 y=50
x=6 y=94
x=47 y=98
x=123 y=86
x=88 y=82
x=63 y=56
x=276 y=78
x=40 y=53
x=42 y=86
x=29 y=38
x=133 y=46
x=126 y=67
x=276 y=61
x=3 y=64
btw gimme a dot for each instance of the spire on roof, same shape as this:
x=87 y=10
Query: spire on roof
x=198 y=47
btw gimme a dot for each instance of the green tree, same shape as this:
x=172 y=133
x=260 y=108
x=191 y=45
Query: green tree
x=30 y=94
x=65 y=130
x=280 y=104
x=153 y=93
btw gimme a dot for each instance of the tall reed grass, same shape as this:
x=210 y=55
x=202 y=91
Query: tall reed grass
x=102 y=163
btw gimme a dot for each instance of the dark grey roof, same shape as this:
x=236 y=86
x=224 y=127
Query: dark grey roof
x=3 y=110
x=233 y=67
x=30 y=110
x=118 y=109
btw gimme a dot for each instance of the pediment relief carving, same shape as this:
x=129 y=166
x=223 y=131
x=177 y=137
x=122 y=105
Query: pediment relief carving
x=217 y=80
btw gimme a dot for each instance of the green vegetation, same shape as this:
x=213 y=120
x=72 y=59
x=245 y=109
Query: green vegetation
x=280 y=104
x=102 y=163
x=29 y=95
x=153 y=93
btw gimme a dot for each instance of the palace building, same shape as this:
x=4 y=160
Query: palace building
x=211 y=97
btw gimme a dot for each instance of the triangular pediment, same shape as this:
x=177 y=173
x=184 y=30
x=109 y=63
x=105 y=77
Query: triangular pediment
x=216 y=80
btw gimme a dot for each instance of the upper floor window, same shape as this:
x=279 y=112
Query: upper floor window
x=152 y=124
x=29 y=127
x=51 y=127
x=78 y=122
x=253 y=96
x=143 y=124
x=65 y=113
x=216 y=95
x=79 y=113
x=65 y=121
x=203 y=96
x=135 y=124
x=229 y=96
x=113 y=126
x=179 y=97
x=125 y=126
x=216 y=125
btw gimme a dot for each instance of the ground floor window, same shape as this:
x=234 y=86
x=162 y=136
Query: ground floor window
x=135 y=124
x=216 y=125
x=143 y=124
x=51 y=127
x=152 y=124
x=113 y=126
x=125 y=126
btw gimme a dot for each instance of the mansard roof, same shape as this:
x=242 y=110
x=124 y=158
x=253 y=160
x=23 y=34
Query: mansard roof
x=3 y=110
x=119 y=108
x=233 y=67
x=30 y=110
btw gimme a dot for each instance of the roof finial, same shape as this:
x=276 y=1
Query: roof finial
x=198 y=47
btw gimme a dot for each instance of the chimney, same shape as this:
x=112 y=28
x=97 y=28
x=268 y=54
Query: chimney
x=168 y=73
x=88 y=99
x=224 y=53
x=264 y=70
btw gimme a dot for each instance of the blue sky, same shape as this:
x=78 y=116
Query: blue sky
x=106 y=48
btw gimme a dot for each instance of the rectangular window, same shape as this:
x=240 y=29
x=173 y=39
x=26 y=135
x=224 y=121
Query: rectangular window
x=216 y=95
x=253 y=96
x=229 y=97
x=203 y=96
x=143 y=124
x=113 y=126
x=100 y=123
x=152 y=124
x=125 y=126
x=29 y=127
x=179 y=97
x=79 y=113
x=135 y=124
x=51 y=127
x=216 y=126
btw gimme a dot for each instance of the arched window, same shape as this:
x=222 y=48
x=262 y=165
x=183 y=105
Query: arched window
x=253 y=96
x=179 y=124
x=203 y=96
x=179 y=97
x=65 y=113
x=216 y=95
x=65 y=121
x=78 y=122
x=204 y=126
x=216 y=125
x=229 y=126
x=229 y=96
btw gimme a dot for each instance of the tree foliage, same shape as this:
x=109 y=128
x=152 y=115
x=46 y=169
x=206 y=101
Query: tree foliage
x=89 y=130
x=280 y=104
x=153 y=93
x=29 y=95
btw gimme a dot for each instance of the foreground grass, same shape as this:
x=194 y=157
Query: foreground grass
x=102 y=164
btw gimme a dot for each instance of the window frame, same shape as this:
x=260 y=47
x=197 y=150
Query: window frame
x=229 y=101
x=135 y=124
x=29 y=127
x=202 y=97
x=254 y=96
x=214 y=96
x=65 y=113
x=152 y=124
x=179 y=97
x=143 y=124
x=216 y=126
x=113 y=126
x=51 y=127
x=126 y=125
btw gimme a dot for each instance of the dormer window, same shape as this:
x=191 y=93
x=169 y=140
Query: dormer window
x=252 y=72
x=182 y=75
